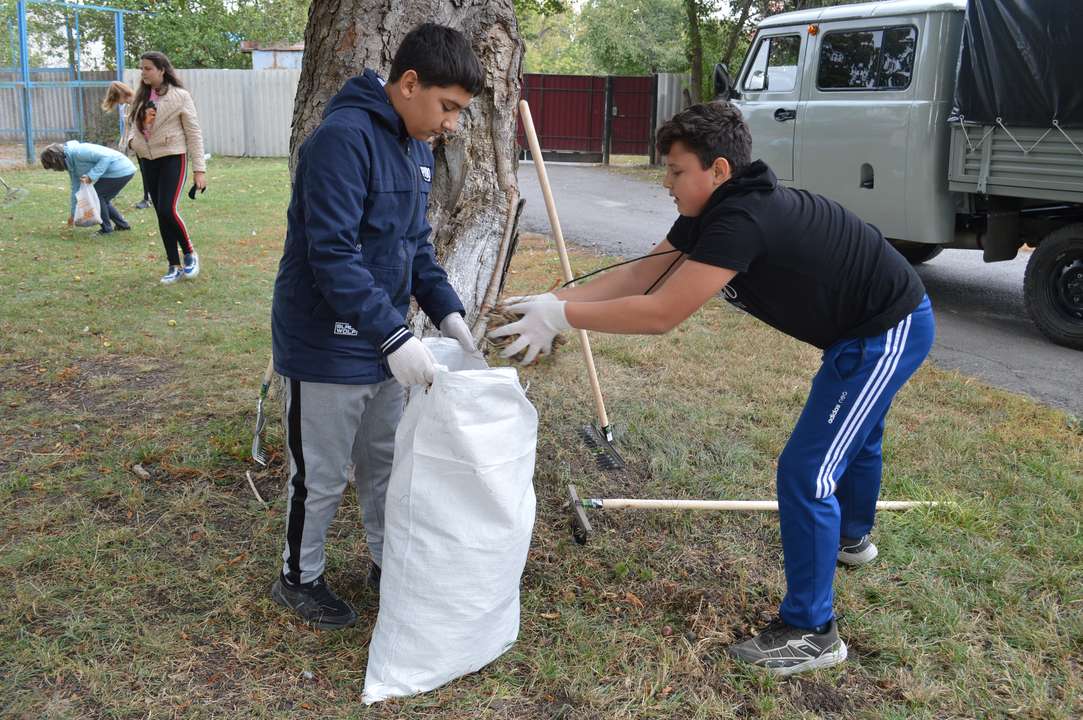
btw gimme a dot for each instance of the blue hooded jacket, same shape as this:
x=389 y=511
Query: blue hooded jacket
x=357 y=244
x=94 y=161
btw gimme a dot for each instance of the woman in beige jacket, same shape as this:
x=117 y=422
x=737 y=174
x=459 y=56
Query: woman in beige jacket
x=164 y=134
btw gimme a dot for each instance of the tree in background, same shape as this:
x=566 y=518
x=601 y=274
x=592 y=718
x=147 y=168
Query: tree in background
x=554 y=44
x=635 y=37
x=193 y=33
x=639 y=37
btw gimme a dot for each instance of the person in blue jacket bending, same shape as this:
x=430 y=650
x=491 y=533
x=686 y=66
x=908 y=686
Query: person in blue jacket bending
x=357 y=248
x=107 y=170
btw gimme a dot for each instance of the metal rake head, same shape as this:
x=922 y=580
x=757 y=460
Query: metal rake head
x=605 y=455
x=258 y=453
x=13 y=195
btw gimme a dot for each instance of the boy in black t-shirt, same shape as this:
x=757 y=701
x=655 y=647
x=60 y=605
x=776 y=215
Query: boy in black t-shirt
x=811 y=269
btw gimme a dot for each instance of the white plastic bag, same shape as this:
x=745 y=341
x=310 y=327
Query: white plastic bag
x=459 y=516
x=88 y=210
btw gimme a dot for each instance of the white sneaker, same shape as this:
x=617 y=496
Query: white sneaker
x=175 y=273
x=191 y=265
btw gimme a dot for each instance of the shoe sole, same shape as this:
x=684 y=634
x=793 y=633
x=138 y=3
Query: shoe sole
x=826 y=660
x=279 y=597
x=864 y=557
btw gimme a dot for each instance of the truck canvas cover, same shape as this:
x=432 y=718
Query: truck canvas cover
x=1021 y=62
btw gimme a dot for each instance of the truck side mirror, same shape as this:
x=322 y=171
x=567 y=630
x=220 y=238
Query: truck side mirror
x=723 y=83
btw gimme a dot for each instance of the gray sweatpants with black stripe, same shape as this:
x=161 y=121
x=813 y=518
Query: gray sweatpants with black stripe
x=328 y=427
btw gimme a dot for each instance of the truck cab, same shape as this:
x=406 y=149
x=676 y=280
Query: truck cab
x=859 y=103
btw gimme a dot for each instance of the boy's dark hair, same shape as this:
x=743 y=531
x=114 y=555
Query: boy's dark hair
x=710 y=130
x=440 y=56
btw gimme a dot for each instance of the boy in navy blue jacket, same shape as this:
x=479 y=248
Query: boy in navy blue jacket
x=357 y=248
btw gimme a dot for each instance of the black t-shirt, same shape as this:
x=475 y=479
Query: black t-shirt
x=805 y=265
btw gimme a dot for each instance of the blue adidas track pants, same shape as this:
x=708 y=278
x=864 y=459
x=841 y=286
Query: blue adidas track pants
x=828 y=476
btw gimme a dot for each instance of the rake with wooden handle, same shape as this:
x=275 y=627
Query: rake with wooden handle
x=598 y=437
x=581 y=528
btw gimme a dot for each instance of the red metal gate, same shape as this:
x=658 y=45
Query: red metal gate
x=569 y=114
x=633 y=100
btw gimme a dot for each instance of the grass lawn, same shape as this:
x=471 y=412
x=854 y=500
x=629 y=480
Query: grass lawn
x=129 y=598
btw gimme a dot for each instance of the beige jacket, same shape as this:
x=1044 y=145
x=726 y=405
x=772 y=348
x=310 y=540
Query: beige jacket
x=175 y=132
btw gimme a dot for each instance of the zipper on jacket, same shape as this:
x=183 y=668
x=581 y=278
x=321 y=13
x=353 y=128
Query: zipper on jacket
x=407 y=262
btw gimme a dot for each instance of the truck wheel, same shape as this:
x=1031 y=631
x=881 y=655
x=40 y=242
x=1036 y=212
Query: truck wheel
x=916 y=253
x=1053 y=286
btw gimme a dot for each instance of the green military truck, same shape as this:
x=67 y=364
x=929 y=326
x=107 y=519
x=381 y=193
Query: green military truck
x=945 y=123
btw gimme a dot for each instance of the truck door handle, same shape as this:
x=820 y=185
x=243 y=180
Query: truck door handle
x=782 y=114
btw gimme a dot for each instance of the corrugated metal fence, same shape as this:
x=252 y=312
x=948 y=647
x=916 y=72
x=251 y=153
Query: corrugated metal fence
x=671 y=99
x=241 y=112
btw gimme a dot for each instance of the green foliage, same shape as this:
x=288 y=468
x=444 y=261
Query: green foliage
x=634 y=37
x=554 y=44
x=193 y=33
x=545 y=8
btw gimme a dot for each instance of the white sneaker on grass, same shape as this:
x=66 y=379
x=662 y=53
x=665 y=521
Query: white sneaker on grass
x=175 y=273
x=191 y=265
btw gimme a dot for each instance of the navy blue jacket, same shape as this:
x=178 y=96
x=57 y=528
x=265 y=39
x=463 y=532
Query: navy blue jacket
x=357 y=244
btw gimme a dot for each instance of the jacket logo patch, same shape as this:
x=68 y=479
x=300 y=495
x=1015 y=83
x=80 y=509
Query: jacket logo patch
x=426 y=172
x=345 y=328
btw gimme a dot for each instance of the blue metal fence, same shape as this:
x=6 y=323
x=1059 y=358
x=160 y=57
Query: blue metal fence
x=28 y=79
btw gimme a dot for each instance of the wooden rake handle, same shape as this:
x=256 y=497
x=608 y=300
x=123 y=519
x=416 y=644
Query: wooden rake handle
x=729 y=505
x=566 y=267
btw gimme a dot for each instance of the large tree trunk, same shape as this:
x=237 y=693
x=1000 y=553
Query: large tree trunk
x=475 y=170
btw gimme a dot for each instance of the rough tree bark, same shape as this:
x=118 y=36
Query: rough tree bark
x=474 y=179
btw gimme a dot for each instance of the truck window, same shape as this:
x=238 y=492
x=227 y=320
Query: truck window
x=878 y=59
x=774 y=68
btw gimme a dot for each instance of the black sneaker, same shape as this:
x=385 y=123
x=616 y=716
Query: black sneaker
x=784 y=650
x=142 y=204
x=315 y=602
x=857 y=552
x=373 y=580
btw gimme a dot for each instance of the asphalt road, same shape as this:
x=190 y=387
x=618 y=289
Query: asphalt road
x=982 y=327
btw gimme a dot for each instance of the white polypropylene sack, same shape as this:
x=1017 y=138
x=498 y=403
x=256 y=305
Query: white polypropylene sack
x=88 y=210
x=459 y=516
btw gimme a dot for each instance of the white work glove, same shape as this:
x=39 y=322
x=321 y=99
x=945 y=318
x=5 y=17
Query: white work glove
x=539 y=324
x=412 y=363
x=453 y=326
x=519 y=299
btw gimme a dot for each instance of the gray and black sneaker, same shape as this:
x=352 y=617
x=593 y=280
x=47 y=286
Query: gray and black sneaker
x=315 y=602
x=857 y=552
x=784 y=650
x=373 y=580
